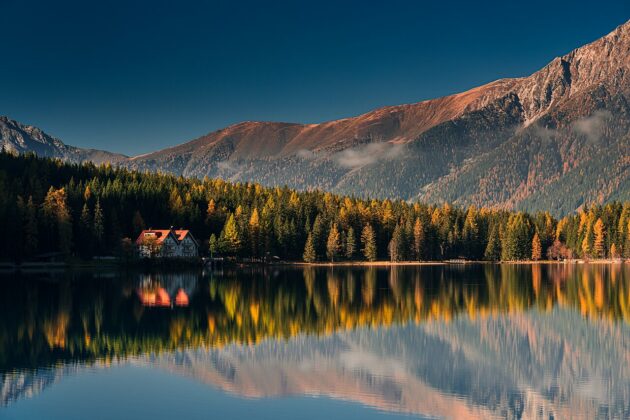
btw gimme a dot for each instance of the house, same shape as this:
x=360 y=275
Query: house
x=167 y=243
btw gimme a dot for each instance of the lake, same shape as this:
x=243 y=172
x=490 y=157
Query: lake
x=454 y=341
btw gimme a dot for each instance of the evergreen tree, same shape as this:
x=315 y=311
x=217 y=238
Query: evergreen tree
x=30 y=228
x=213 y=245
x=516 y=243
x=99 y=223
x=318 y=235
x=137 y=223
x=599 y=248
x=368 y=240
x=85 y=232
x=397 y=245
x=493 y=249
x=350 y=243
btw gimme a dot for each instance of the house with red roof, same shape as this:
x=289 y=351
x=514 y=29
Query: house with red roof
x=167 y=243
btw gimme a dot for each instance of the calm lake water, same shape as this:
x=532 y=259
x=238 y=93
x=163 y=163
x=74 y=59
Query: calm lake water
x=474 y=341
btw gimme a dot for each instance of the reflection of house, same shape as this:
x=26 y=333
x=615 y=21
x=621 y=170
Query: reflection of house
x=166 y=290
x=167 y=243
x=158 y=296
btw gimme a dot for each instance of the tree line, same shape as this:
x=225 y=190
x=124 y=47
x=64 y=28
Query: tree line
x=85 y=210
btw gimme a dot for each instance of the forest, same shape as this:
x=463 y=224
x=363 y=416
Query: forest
x=84 y=210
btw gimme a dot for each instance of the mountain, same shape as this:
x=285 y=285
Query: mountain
x=19 y=138
x=554 y=140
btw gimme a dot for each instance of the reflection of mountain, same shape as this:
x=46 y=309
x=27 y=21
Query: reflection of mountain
x=524 y=365
x=26 y=384
x=518 y=365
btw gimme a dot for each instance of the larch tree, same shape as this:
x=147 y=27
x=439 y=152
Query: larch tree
x=230 y=239
x=309 y=249
x=55 y=208
x=254 y=233
x=536 y=248
x=332 y=244
x=614 y=252
x=418 y=240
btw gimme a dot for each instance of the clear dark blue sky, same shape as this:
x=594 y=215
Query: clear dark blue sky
x=134 y=76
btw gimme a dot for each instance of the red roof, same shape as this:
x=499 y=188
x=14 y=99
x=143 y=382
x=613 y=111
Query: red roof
x=162 y=234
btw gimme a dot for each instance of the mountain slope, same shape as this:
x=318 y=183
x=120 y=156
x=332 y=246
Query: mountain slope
x=20 y=138
x=554 y=140
x=557 y=138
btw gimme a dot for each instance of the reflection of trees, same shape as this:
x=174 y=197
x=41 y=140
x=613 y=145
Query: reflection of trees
x=42 y=321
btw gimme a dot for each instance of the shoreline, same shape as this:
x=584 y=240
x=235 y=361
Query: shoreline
x=43 y=267
x=447 y=262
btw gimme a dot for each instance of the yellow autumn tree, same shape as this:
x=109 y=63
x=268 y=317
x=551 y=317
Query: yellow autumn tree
x=536 y=248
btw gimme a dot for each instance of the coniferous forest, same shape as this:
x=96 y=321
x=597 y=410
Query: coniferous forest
x=86 y=210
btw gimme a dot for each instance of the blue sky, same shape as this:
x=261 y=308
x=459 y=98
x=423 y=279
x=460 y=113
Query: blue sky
x=135 y=76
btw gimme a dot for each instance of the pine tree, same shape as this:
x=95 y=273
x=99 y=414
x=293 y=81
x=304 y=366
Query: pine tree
x=318 y=235
x=137 y=223
x=85 y=232
x=493 y=249
x=599 y=248
x=397 y=245
x=309 y=255
x=99 y=223
x=536 y=248
x=516 y=243
x=368 y=240
x=350 y=243
x=332 y=244
x=213 y=245
x=30 y=228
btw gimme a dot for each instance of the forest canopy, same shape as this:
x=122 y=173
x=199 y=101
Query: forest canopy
x=84 y=210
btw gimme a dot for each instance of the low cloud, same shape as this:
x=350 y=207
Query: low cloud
x=593 y=127
x=305 y=154
x=368 y=154
x=230 y=167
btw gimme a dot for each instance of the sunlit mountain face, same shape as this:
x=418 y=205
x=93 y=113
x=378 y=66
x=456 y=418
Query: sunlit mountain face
x=475 y=341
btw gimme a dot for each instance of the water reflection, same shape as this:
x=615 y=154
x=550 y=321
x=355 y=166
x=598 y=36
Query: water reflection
x=473 y=341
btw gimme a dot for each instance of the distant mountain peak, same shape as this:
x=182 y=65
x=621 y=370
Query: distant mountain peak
x=22 y=138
